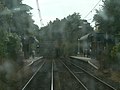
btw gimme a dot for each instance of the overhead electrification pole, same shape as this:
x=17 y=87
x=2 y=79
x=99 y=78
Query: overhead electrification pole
x=38 y=7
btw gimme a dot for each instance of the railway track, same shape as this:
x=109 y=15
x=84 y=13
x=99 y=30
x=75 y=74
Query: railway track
x=84 y=87
x=66 y=80
x=64 y=75
x=28 y=85
x=83 y=64
x=43 y=78
x=89 y=81
x=94 y=71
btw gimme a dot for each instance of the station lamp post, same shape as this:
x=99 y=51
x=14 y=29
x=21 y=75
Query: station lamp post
x=78 y=47
x=78 y=41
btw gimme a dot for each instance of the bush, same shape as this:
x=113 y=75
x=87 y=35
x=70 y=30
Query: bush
x=3 y=45
x=13 y=45
x=115 y=53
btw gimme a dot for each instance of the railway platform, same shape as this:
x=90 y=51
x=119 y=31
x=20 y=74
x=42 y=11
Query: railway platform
x=30 y=61
x=94 y=63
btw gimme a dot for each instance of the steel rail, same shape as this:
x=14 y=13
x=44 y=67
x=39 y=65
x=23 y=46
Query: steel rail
x=93 y=76
x=74 y=76
x=59 y=85
x=52 y=77
x=33 y=76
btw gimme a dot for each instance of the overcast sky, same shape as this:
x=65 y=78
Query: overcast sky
x=52 y=9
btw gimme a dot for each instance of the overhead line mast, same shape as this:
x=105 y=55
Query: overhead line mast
x=39 y=12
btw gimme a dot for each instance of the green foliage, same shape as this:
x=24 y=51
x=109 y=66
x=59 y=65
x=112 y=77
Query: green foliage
x=3 y=40
x=13 y=45
x=9 y=45
x=115 y=53
x=109 y=17
x=65 y=32
x=15 y=23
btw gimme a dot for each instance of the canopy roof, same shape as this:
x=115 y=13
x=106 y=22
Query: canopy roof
x=85 y=37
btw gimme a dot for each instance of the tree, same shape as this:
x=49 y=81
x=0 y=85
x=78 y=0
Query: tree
x=16 y=21
x=3 y=44
x=64 y=33
x=109 y=17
